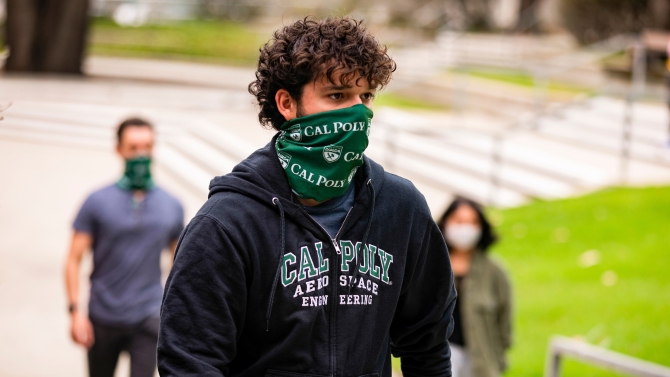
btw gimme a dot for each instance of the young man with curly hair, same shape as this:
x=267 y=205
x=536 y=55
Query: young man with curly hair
x=309 y=259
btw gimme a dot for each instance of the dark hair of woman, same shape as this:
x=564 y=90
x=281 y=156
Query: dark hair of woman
x=488 y=236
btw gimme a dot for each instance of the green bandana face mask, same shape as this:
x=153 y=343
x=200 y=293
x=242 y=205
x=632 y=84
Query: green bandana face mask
x=137 y=175
x=321 y=152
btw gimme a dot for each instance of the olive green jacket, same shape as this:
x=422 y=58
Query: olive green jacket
x=486 y=312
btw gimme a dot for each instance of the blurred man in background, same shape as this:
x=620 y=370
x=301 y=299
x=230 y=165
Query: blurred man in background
x=127 y=225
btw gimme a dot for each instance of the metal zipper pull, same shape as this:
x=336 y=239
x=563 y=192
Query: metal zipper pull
x=337 y=247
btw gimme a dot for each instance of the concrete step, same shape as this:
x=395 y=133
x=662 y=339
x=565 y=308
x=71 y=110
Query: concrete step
x=522 y=181
x=202 y=154
x=167 y=71
x=89 y=116
x=192 y=162
x=606 y=166
x=527 y=156
x=522 y=156
x=579 y=168
x=96 y=117
x=516 y=154
x=220 y=138
x=40 y=137
x=138 y=97
x=445 y=178
x=647 y=130
x=184 y=169
x=644 y=114
x=559 y=159
x=605 y=142
x=47 y=127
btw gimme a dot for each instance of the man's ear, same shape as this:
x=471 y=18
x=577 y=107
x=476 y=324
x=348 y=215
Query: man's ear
x=287 y=106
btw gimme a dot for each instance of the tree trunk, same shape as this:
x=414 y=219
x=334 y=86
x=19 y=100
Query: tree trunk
x=46 y=35
x=660 y=10
x=527 y=20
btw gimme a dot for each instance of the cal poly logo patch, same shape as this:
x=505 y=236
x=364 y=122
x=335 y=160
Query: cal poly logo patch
x=332 y=153
x=284 y=159
x=295 y=132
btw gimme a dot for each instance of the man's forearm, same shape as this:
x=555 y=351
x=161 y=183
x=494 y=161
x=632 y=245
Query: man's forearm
x=81 y=242
x=72 y=281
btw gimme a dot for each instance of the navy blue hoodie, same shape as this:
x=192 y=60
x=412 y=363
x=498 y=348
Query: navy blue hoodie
x=258 y=288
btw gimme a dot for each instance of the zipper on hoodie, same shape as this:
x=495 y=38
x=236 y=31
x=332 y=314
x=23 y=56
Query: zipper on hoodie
x=332 y=240
x=333 y=307
x=335 y=240
x=333 y=293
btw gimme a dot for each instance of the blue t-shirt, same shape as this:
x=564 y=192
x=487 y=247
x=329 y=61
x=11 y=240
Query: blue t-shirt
x=128 y=238
x=331 y=214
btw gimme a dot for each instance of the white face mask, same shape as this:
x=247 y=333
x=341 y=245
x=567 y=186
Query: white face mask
x=463 y=237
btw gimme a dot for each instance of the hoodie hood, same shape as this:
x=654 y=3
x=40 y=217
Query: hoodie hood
x=261 y=176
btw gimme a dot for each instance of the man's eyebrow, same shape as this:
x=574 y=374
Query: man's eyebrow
x=342 y=87
x=337 y=87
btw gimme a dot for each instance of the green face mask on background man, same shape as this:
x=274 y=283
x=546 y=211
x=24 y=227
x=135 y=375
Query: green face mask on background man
x=321 y=152
x=137 y=175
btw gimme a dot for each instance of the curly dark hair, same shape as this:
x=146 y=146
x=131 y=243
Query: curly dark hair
x=309 y=49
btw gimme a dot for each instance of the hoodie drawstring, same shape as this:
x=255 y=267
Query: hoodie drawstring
x=282 y=224
x=365 y=237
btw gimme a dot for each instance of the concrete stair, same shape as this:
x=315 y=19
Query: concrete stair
x=193 y=154
x=567 y=153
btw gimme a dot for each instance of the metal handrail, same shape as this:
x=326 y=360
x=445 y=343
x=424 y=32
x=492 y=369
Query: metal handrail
x=606 y=359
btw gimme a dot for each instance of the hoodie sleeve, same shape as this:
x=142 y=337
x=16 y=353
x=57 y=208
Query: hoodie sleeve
x=423 y=320
x=204 y=303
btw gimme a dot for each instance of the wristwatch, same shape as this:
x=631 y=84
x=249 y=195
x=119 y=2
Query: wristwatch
x=72 y=308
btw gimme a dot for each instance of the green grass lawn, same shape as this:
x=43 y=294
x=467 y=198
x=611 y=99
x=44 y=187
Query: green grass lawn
x=207 y=41
x=404 y=102
x=525 y=79
x=543 y=245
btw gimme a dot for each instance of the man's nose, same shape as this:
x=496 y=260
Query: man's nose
x=355 y=100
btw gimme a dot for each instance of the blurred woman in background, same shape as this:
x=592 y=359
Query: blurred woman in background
x=482 y=316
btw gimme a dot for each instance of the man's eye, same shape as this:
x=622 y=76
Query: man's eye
x=336 y=95
x=368 y=96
